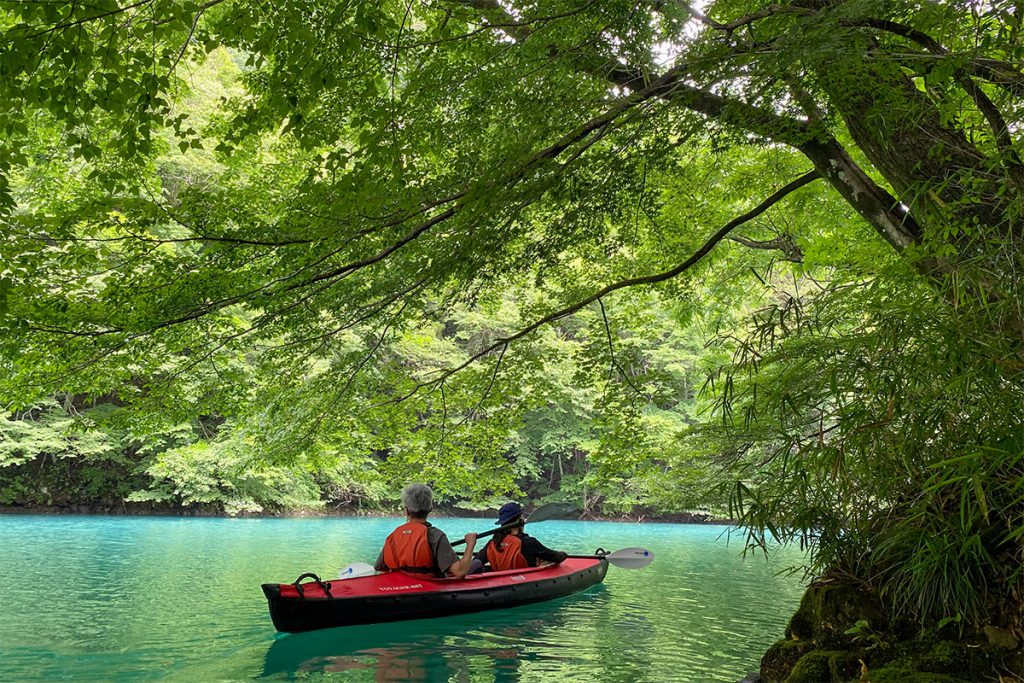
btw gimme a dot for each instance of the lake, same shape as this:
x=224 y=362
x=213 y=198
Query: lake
x=166 y=598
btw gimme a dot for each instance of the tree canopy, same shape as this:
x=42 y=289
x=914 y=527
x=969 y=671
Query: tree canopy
x=253 y=211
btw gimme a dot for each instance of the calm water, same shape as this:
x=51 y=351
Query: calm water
x=114 y=598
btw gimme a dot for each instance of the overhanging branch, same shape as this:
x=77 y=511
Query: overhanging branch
x=694 y=258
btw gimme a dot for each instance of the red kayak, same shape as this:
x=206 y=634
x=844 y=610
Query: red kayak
x=396 y=596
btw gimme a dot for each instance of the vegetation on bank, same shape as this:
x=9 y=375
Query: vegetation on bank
x=326 y=245
x=558 y=435
x=840 y=633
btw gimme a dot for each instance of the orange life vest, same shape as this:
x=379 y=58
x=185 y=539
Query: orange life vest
x=506 y=555
x=407 y=548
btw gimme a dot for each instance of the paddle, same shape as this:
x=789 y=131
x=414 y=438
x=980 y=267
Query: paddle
x=627 y=558
x=356 y=570
x=541 y=514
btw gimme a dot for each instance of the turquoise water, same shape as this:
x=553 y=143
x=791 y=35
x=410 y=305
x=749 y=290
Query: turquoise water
x=162 y=598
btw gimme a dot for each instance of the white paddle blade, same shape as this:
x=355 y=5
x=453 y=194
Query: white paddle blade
x=551 y=511
x=631 y=558
x=356 y=570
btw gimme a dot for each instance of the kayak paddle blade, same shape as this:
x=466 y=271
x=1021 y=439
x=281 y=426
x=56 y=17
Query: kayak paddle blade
x=356 y=570
x=551 y=511
x=630 y=558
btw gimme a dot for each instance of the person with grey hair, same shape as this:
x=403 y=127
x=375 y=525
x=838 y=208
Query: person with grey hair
x=417 y=546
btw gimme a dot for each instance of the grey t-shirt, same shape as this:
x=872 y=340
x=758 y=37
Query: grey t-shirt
x=440 y=548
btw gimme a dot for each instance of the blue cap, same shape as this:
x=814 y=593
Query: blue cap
x=508 y=513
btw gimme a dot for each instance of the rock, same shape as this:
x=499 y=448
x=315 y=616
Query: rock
x=780 y=659
x=820 y=666
x=752 y=677
x=812 y=668
x=899 y=673
x=818 y=649
x=827 y=610
x=1001 y=638
x=945 y=661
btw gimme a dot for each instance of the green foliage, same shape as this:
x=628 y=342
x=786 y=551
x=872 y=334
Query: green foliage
x=480 y=243
x=220 y=474
x=543 y=430
x=862 y=633
x=880 y=428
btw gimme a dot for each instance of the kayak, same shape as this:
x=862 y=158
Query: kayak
x=398 y=595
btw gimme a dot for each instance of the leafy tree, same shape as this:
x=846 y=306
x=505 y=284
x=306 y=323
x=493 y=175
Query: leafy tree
x=384 y=163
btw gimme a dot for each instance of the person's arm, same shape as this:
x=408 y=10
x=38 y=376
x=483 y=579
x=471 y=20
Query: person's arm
x=379 y=564
x=448 y=561
x=482 y=554
x=535 y=552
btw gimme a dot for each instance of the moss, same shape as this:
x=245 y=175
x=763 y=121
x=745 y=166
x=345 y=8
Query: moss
x=956 y=658
x=812 y=668
x=780 y=659
x=900 y=673
x=817 y=648
x=827 y=611
x=845 y=666
x=825 y=665
x=964 y=660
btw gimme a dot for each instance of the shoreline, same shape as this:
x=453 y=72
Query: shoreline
x=151 y=510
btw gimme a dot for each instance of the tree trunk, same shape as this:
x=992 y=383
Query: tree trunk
x=953 y=189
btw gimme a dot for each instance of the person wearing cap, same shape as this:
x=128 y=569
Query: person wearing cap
x=417 y=546
x=513 y=548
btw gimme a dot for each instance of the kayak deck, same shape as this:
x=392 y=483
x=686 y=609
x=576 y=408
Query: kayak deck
x=398 y=595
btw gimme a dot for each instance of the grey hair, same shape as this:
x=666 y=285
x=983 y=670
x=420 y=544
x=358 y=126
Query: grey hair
x=418 y=499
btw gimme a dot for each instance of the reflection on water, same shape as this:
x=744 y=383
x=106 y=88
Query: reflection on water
x=95 y=598
x=461 y=648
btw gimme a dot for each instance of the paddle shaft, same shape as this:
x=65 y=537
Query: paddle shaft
x=544 y=512
x=485 y=534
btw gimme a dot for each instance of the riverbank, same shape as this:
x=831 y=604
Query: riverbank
x=161 y=510
x=842 y=633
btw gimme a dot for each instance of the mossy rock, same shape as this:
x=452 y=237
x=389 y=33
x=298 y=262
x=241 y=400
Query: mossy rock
x=826 y=611
x=819 y=666
x=973 y=663
x=780 y=659
x=964 y=660
x=845 y=666
x=901 y=673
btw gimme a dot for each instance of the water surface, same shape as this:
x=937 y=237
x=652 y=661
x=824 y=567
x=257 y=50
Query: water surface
x=163 y=598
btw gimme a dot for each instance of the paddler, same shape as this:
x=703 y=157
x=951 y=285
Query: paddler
x=513 y=548
x=417 y=546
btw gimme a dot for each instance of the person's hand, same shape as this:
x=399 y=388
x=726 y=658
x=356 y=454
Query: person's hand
x=545 y=563
x=470 y=539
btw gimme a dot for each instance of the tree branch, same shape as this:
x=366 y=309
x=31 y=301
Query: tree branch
x=611 y=349
x=1000 y=73
x=703 y=251
x=985 y=105
x=85 y=20
x=784 y=243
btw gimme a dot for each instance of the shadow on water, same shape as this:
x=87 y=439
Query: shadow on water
x=493 y=644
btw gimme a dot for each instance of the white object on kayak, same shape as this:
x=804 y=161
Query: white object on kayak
x=356 y=570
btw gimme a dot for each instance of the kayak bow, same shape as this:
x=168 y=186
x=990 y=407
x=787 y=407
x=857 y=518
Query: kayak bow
x=396 y=596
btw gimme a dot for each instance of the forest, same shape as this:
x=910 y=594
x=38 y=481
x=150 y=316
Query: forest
x=758 y=261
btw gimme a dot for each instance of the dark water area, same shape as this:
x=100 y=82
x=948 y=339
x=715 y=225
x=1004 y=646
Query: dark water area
x=161 y=598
